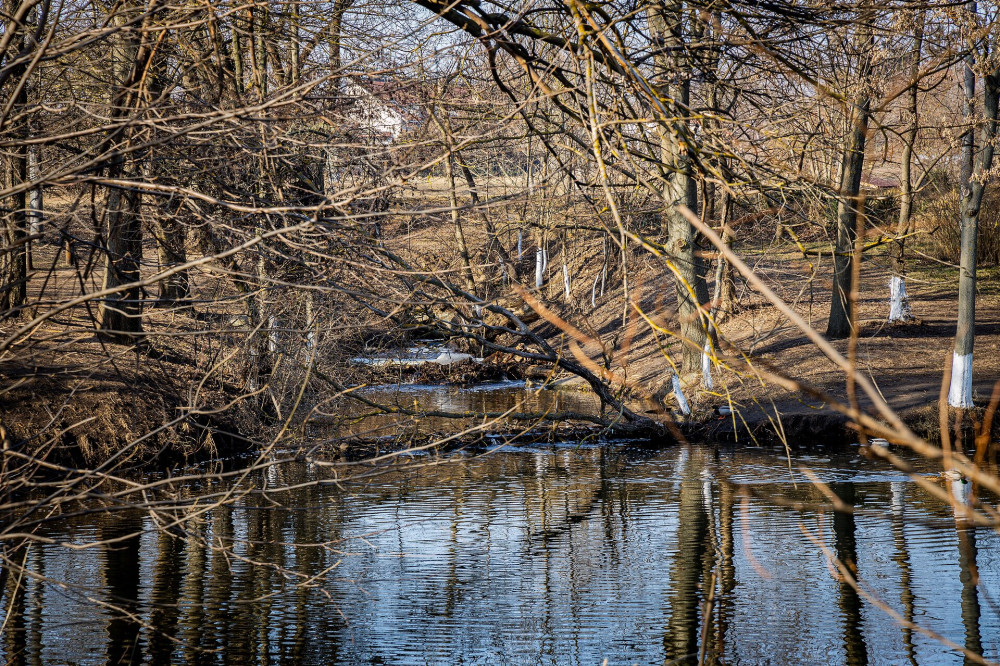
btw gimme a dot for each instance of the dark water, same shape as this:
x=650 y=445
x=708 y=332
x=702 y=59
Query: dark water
x=552 y=554
x=485 y=406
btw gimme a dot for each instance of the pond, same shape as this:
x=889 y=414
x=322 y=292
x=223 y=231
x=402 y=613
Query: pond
x=538 y=554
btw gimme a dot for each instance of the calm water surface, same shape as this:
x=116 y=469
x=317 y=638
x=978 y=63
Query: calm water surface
x=554 y=554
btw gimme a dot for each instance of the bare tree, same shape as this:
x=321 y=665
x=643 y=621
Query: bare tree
x=975 y=171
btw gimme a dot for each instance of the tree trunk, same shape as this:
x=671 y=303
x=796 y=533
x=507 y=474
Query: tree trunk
x=36 y=202
x=13 y=288
x=336 y=35
x=236 y=53
x=850 y=203
x=960 y=392
x=848 y=208
x=171 y=238
x=456 y=220
x=295 y=70
x=726 y=303
x=258 y=49
x=899 y=305
x=14 y=257
x=120 y=313
x=666 y=25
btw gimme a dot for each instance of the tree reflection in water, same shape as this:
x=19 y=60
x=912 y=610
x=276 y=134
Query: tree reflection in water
x=549 y=554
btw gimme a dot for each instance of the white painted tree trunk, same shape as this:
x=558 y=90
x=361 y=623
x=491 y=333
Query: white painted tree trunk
x=272 y=334
x=593 y=292
x=252 y=369
x=520 y=244
x=706 y=365
x=566 y=282
x=899 y=303
x=35 y=202
x=682 y=403
x=539 y=268
x=960 y=393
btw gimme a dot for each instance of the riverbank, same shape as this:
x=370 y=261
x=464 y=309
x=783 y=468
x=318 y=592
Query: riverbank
x=140 y=410
x=194 y=388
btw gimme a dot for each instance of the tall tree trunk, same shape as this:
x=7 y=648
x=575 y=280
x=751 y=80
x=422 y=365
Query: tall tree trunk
x=850 y=203
x=839 y=325
x=236 y=53
x=14 y=278
x=960 y=392
x=14 y=257
x=726 y=301
x=295 y=69
x=336 y=28
x=36 y=201
x=456 y=220
x=258 y=48
x=666 y=24
x=899 y=305
x=120 y=313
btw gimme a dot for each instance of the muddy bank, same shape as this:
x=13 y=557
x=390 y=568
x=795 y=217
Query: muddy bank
x=797 y=426
x=136 y=422
x=147 y=411
x=133 y=419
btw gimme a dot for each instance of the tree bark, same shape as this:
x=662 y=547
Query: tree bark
x=120 y=313
x=727 y=299
x=171 y=239
x=236 y=53
x=336 y=35
x=456 y=220
x=850 y=203
x=960 y=392
x=666 y=25
x=899 y=305
x=14 y=258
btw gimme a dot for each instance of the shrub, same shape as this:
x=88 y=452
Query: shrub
x=942 y=216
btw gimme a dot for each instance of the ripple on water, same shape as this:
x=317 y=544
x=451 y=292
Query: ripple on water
x=545 y=554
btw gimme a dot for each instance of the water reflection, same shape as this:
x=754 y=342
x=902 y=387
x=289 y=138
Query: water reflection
x=968 y=569
x=902 y=560
x=121 y=580
x=426 y=404
x=547 y=555
x=846 y=549
x=694 y=558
